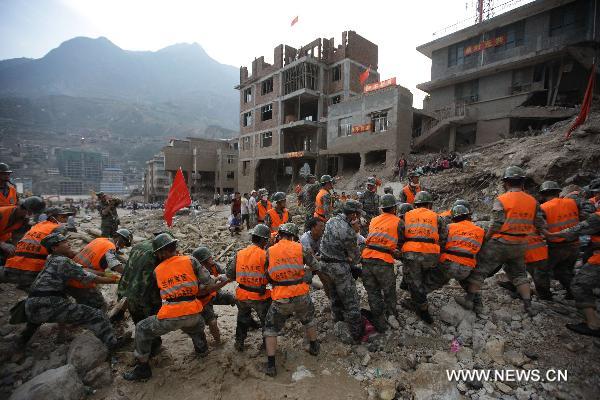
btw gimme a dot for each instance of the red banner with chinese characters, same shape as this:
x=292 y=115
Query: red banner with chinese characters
x=380 y=85
x=361 y=128
x=486 y=44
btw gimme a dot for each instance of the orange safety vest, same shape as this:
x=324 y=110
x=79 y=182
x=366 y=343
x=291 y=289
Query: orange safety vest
x=286 y=270
x=262 y=211
x=276 y=221
x=11 y=198
x=383 y=233
x=6 y=230
x=320 y=205
x=560 y=214
x=595 y=258
x=30 y=255
x=212 y=269
x=536 y=249
x=445 y=214
x=250 y=274
x=463 y=244
x=519 y=211
x=178 y=286
x=410 y=196
x=90 y=257
x=421 y=231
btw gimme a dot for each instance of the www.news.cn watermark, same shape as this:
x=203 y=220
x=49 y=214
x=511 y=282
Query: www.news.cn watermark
x=507 y=375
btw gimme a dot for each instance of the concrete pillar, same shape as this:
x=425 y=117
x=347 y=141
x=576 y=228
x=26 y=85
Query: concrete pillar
x=452 y=139
x=340 y=164
x=294 y=170
x=346 y=79
x=363 y=161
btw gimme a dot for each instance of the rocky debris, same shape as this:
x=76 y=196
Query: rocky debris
x=55 y=384
x=454 y=314
x=301 y=373
x=495 y=350
x=98 y=377
x=342 y=332
x=429 y=381
x=86 y=352
x=56 y=359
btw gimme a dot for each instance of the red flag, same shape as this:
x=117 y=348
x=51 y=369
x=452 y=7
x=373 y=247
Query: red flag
x=586 y=105
x=364 y=75
x=179 y=197
x=294 y=21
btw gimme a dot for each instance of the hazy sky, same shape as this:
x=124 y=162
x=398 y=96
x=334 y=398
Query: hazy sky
x=235 y=32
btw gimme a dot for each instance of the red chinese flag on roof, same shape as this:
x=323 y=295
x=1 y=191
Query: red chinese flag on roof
x=364 y=75
x=587 y=103
x=179 y=197
x=294 y=21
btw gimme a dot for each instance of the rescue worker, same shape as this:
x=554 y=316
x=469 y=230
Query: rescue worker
x=408 y=193
x=109 y=216
x=13 y=218
x=216 y=296
x=263 y=205
x=181 y=279
x=48 y=301
x=460 y=242
x=560 y=214
x=378 y=276
x=595 y=192
x=324 y=199
x=587 y=280
x=313 y=232
x=286 y=261
x=30 y=255
x=421 y=231
x=340 y=255
x=96 y=257
x=370 y=203
x=404 y=208
x=447 y=215
x=278 y=215
x=8 y=192
x=515 y=216
x=308 y=195
x=248 y=269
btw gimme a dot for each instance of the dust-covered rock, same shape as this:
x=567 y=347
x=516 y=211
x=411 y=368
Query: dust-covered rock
x=86 y=352
x=55 y=384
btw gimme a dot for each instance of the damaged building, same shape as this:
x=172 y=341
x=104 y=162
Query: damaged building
x=521 y=70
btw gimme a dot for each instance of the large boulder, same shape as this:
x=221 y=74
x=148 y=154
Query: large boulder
x=453 y=314
x=98 y=377
x=55 y=384
x=429 y=381
x=86 y=352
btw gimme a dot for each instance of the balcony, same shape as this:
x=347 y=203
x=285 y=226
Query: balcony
x=455 y=113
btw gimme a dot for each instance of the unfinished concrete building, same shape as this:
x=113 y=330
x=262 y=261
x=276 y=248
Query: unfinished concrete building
x=284 y=107
x=156 y=180
x=520 y=70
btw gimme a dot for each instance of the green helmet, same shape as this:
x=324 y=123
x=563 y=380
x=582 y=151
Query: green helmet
x=423 y=197
x=413 y=173
x=5 y=168
x=52 y=240
x=278 y=197
x=351 y=206
x=388 y=201
x=550 y=186
x=125 y=234
x=459 y=211
x=33 y=204
x=371 y=181
x=326 y=179
x=55 y=211
x=388 y=189
x=162 y=240
x=289 y=228
x=263 y=191
x=404 y=208
x=262 y=231
x=202 y=254
x=461 y=202
x=514 y=172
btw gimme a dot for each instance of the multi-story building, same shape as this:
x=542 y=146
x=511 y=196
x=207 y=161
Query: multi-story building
x=112 y=181
x=81 y=170
x=520 y=70
x=156 y=180
x=284 y=106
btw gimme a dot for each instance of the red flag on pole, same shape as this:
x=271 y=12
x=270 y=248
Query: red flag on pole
x=179 y=197
x=294 y=21
x=586 y=105
x=364 y=75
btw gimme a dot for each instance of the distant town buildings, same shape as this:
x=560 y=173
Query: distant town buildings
x=112 y=181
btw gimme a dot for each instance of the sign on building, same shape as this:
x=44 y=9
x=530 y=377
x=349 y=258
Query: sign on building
x=380 y=85
x=361 y=128
x=486 y=44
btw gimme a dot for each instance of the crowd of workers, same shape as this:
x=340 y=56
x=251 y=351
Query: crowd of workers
x=343 y=240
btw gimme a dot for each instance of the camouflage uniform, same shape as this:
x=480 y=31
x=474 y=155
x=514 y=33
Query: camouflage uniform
x=339 y=251
x=109 y=219
x=588 y=277
x=440 y=275
x=47 y=301
x=245 y=307
x=137 y=282
x=151 y=328
x=308 y=196
x=370 y=205
x=221 y=298
x=300 y=306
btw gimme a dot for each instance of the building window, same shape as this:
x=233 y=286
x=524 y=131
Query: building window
x=336 y=99
x=514 y=33
x=246 y=143
x=248 y=95
x=344 y=127
x=230 y=159
x=247 y=118
x=266 y=112
x=456 y=53
x=568 y=18
x=380 y=122
x=266 y=86
x=467 y=92
x=230 y=175
x=336 y=73
x=245 y=168
x=266 y=139
x=301 y=76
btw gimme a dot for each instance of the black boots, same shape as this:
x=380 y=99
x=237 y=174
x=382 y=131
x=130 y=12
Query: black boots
x=141 y=372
